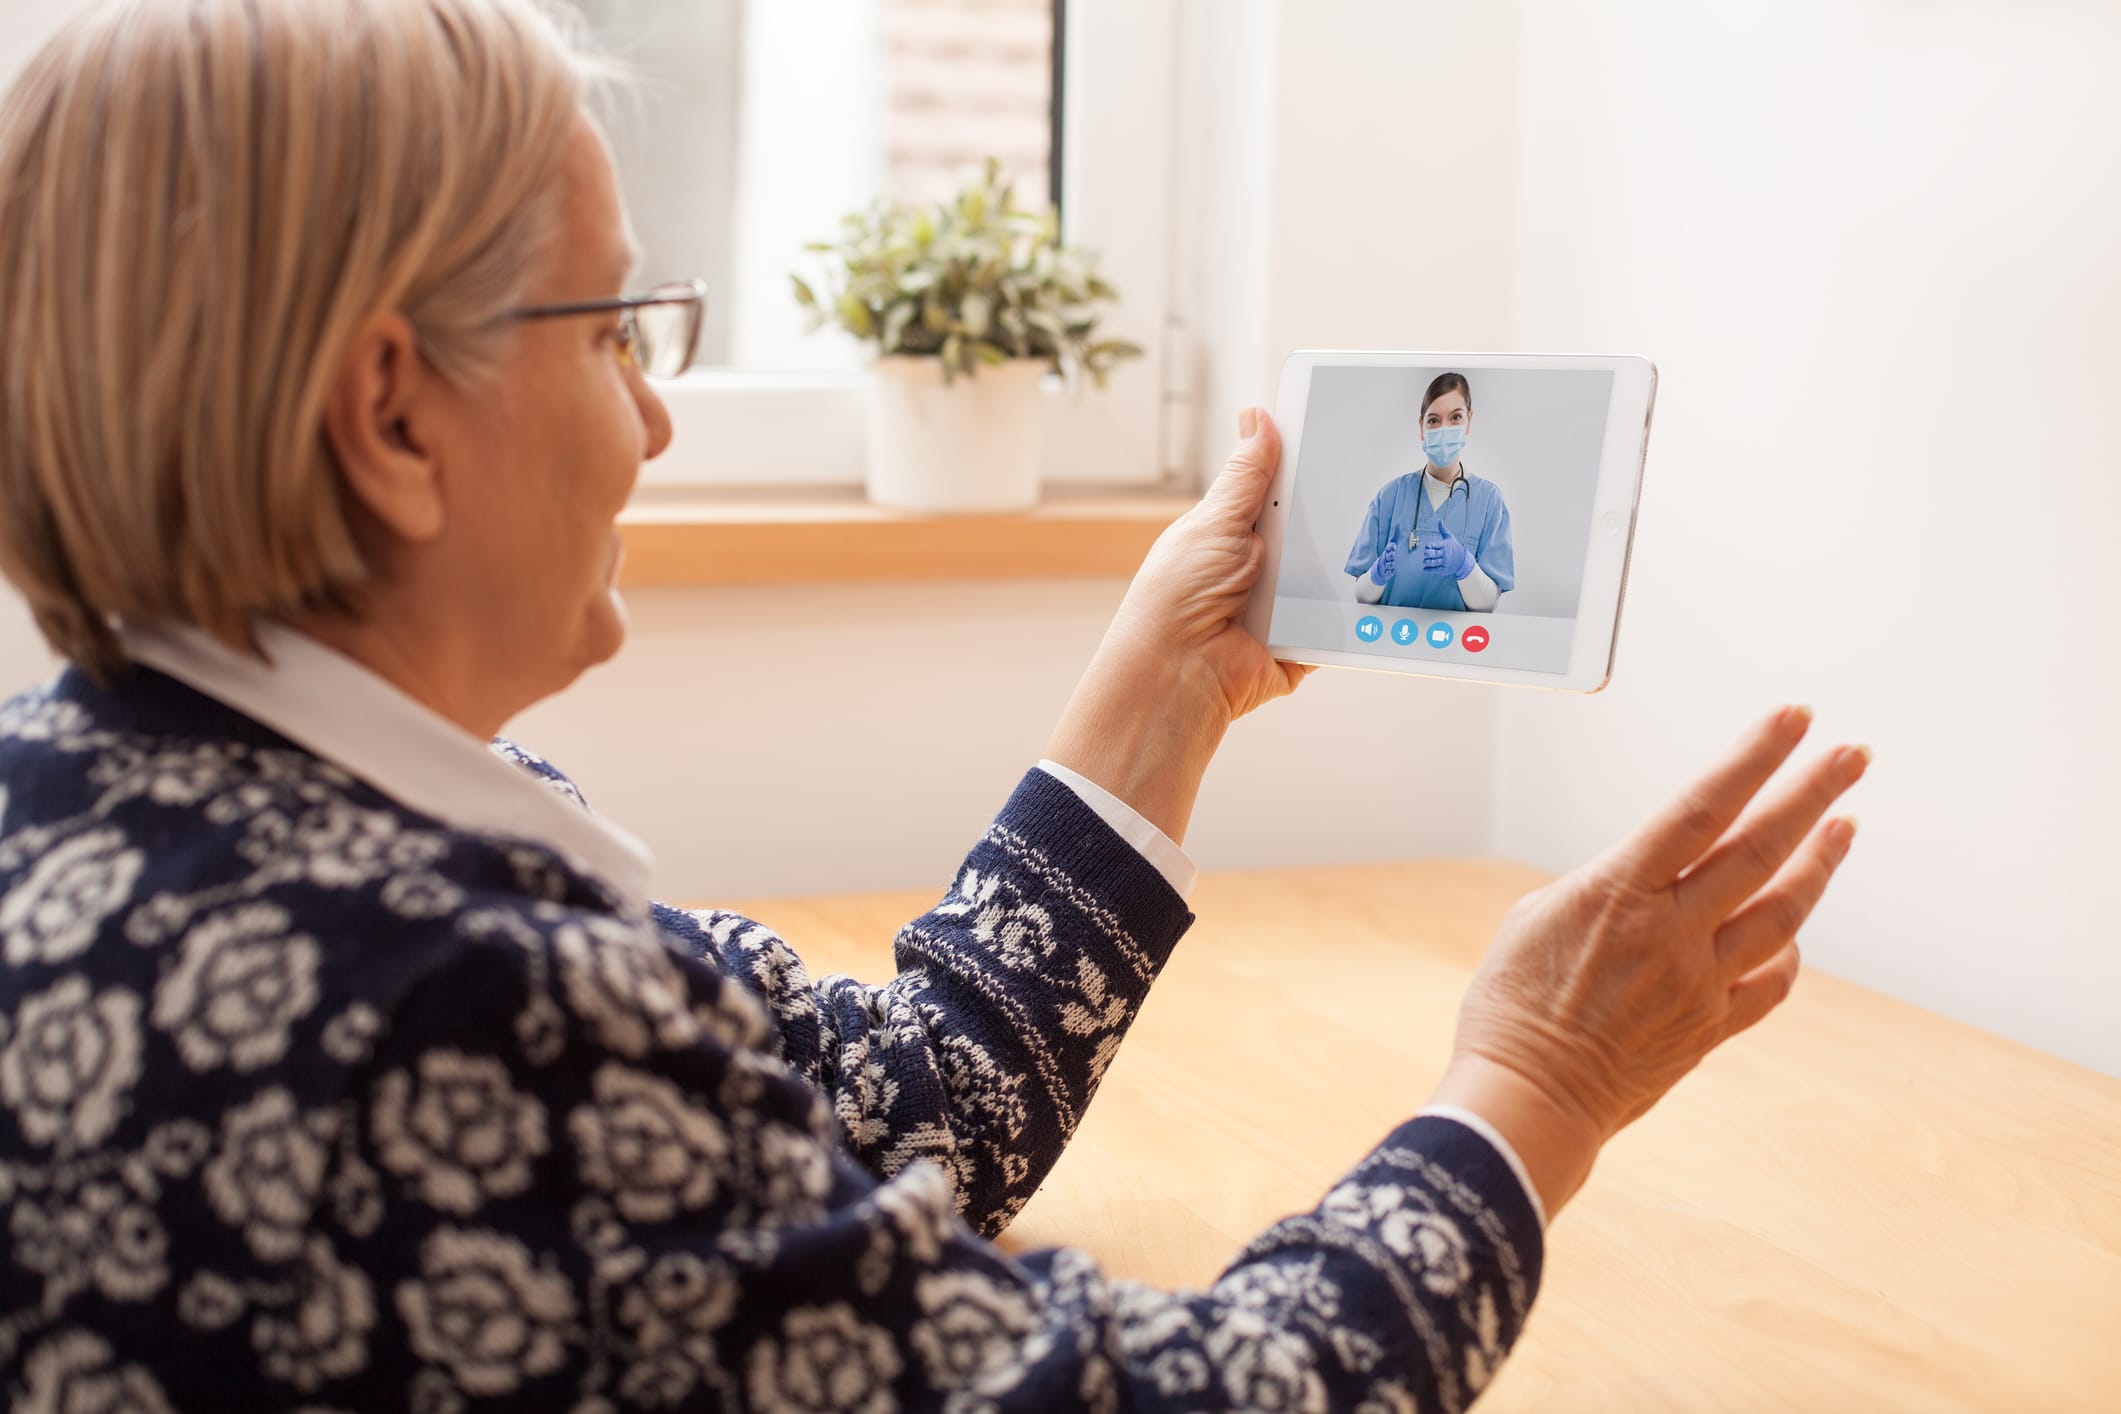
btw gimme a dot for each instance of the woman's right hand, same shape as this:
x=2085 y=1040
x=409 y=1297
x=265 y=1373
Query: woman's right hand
x=1381 y=570
x=1605 y=987
x=1178 y=664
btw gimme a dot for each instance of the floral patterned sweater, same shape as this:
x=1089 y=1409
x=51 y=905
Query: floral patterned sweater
x=311 y=1101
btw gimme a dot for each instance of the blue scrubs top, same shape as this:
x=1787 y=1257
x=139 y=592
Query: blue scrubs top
x=1401 y=513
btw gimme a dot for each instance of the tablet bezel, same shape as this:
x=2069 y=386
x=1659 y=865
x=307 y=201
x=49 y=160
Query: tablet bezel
x=1613 y=509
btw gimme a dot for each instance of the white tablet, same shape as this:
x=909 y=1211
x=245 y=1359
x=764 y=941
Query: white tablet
x=1454 y=515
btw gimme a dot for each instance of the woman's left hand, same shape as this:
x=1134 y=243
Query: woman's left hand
x=1178 y=666
x=1447 y=555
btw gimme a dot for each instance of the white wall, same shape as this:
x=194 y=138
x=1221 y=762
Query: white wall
x=1873 y=248
x=1393 y=164
x=24 y=24
x=766 y=742
x=23 y=658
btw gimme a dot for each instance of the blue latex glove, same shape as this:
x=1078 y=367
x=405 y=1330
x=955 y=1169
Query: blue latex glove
x=1446 y=554
x=1381 y=572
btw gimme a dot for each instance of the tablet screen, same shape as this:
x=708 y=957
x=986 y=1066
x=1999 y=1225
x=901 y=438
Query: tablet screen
x=1443 y=513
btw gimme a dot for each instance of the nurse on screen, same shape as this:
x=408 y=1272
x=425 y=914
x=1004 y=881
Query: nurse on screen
x=1438 y=538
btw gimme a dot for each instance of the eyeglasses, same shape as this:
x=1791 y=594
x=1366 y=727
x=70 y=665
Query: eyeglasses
x=659 y=330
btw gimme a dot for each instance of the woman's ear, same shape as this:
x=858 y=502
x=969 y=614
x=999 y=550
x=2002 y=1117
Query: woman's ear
x=374 y=434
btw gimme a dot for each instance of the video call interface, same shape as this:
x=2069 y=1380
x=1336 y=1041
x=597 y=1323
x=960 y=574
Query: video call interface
x=1442 y=513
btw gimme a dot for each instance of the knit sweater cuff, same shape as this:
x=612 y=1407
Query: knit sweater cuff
x=1480 y=1166
x=1074 y=851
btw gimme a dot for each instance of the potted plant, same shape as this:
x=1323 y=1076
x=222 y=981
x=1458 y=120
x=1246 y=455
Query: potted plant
x=969 y=304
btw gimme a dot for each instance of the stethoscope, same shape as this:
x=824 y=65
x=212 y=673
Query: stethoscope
x=1465 y=522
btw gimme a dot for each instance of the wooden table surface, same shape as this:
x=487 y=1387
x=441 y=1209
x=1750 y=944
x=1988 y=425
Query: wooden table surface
x=1856 y=1206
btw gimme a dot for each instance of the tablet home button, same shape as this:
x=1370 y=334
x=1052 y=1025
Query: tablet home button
x=1611 y=523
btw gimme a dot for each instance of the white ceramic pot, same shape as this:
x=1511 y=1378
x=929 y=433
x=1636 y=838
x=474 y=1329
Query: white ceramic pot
x=968 y=446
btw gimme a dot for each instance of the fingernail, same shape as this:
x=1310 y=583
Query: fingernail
x=1796 y=717
x=1860 y=757
x=1248 y=422
x=1843 y=831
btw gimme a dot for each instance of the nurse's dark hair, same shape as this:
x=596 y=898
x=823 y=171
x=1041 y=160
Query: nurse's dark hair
x=1445 y=383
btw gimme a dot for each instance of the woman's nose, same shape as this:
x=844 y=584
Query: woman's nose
x=655 y=419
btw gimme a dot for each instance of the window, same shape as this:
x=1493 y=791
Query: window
x=758 y=123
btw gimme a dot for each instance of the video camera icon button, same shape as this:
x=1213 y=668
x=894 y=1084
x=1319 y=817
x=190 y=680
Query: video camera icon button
x=1369 y=628
x=1473 y=639
x=1439 y=635
x=1404 y=632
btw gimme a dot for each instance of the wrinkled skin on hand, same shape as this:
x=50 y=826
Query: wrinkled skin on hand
x=1185 y=607
x=1607 y=986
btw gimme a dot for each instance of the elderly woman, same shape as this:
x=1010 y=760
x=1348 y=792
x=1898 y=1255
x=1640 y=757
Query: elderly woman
x=343 y=1062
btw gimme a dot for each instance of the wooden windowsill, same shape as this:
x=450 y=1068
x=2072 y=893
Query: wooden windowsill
x=842 y=541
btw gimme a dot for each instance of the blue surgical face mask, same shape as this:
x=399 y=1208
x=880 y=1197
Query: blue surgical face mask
x=1441 y=445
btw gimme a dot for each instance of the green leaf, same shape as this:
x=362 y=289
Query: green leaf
x=855 y=315
x=1046 y=322
x=895 y=322
x=972 y=280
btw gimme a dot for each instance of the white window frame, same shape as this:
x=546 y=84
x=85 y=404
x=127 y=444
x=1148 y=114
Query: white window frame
x=743 y=428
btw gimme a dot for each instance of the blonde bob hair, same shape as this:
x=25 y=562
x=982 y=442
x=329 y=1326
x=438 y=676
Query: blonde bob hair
x=201 y=202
